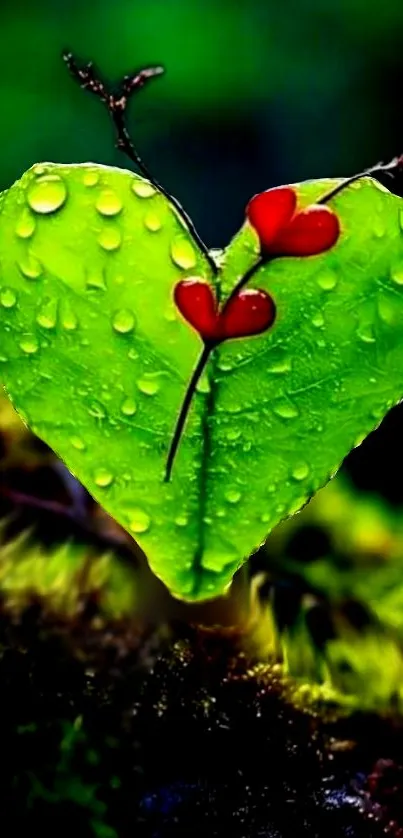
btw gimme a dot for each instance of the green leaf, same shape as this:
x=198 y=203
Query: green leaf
x=97 y=361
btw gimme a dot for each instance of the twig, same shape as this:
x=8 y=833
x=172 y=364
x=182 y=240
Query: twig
x=116 y=105
x=197 y=373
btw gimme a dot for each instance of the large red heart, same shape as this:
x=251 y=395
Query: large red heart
x=284 y=232
x=248 y=313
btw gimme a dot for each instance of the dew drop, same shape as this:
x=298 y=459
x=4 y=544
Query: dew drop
x=148 y=385
x=379 y=227
x=233 y=496
x=108 y=203
x=152 y=221
x=95 y=281
x=265 y=518
x=318 y=320
x=69 y=318
x=397 y=273
x=29 y=344
x=103 y=478
x=30 y=267
x=47 y=315
x=8 y=297
x=26 y=224
x=110 y=238
x=281 y=367
x=365 y=332
x=170 y=313
x=40 y=170
x=181 y=521
x=133 y=354
x=90 y=177
x=286 y=410
x=327 y=279
x=301 y=471
x=203 y=385
x=233 y=434
x=182 y=253
x=129 y=407
x=123 y=321
x=139 y=520
x=143 y=188
x=47 y=194
x=77 y=443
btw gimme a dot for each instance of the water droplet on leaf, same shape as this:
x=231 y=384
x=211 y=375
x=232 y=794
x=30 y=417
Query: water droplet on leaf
x=46 y=194
x=285 y=409
x=110 y=237
x=90 y=177
x=47 y=315
x=301 y=471
x=397 y=273
x=318 y=320
x=129 y=407
x=96 y=281
x=152 y=221
x=123 y=321
x=103 y=478
x=181 y=521
x=29 y=344
x=233 y=434
x=139 y=521
x=108 y=203
x=148 y=385
x=233 y=496
x=143 y=188
x=77 y=443
x=30 y=267
x=26 y=224
x=327 y=279
x=69 y=318
x=182 y=253
x=8 y=297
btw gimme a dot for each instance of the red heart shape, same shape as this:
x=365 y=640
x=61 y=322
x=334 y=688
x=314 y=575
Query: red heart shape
x=312 y=230
x=196 y=302
x=270 y=211
x=249 y=313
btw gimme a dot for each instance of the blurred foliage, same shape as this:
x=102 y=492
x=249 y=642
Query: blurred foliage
x=255 y=93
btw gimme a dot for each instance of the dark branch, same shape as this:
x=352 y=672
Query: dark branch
x=391 y=169
x=180 y=423
x=116 y=104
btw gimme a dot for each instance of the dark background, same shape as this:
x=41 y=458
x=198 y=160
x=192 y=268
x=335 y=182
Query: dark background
x=255 y=94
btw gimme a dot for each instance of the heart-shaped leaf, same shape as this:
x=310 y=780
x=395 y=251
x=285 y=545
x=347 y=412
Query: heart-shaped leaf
x=96 y=357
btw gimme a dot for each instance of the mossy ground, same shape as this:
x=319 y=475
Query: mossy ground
x=108 y=730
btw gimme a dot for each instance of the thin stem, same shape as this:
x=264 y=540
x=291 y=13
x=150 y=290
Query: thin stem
x=116 y=105
x=180 y=423
x=246 y=277
x=393 y=167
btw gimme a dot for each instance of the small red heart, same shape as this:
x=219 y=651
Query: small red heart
x=249 y=313
x=270 y=211
x=196 y=302
x=312 y=230
x=285 y=232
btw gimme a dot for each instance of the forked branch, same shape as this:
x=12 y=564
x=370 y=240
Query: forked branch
x=116 y=104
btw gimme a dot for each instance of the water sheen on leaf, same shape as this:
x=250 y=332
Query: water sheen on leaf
x=96 y=358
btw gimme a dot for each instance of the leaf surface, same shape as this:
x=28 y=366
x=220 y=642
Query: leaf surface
x=96 y=359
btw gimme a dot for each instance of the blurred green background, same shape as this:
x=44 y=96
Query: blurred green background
x=256 y=93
